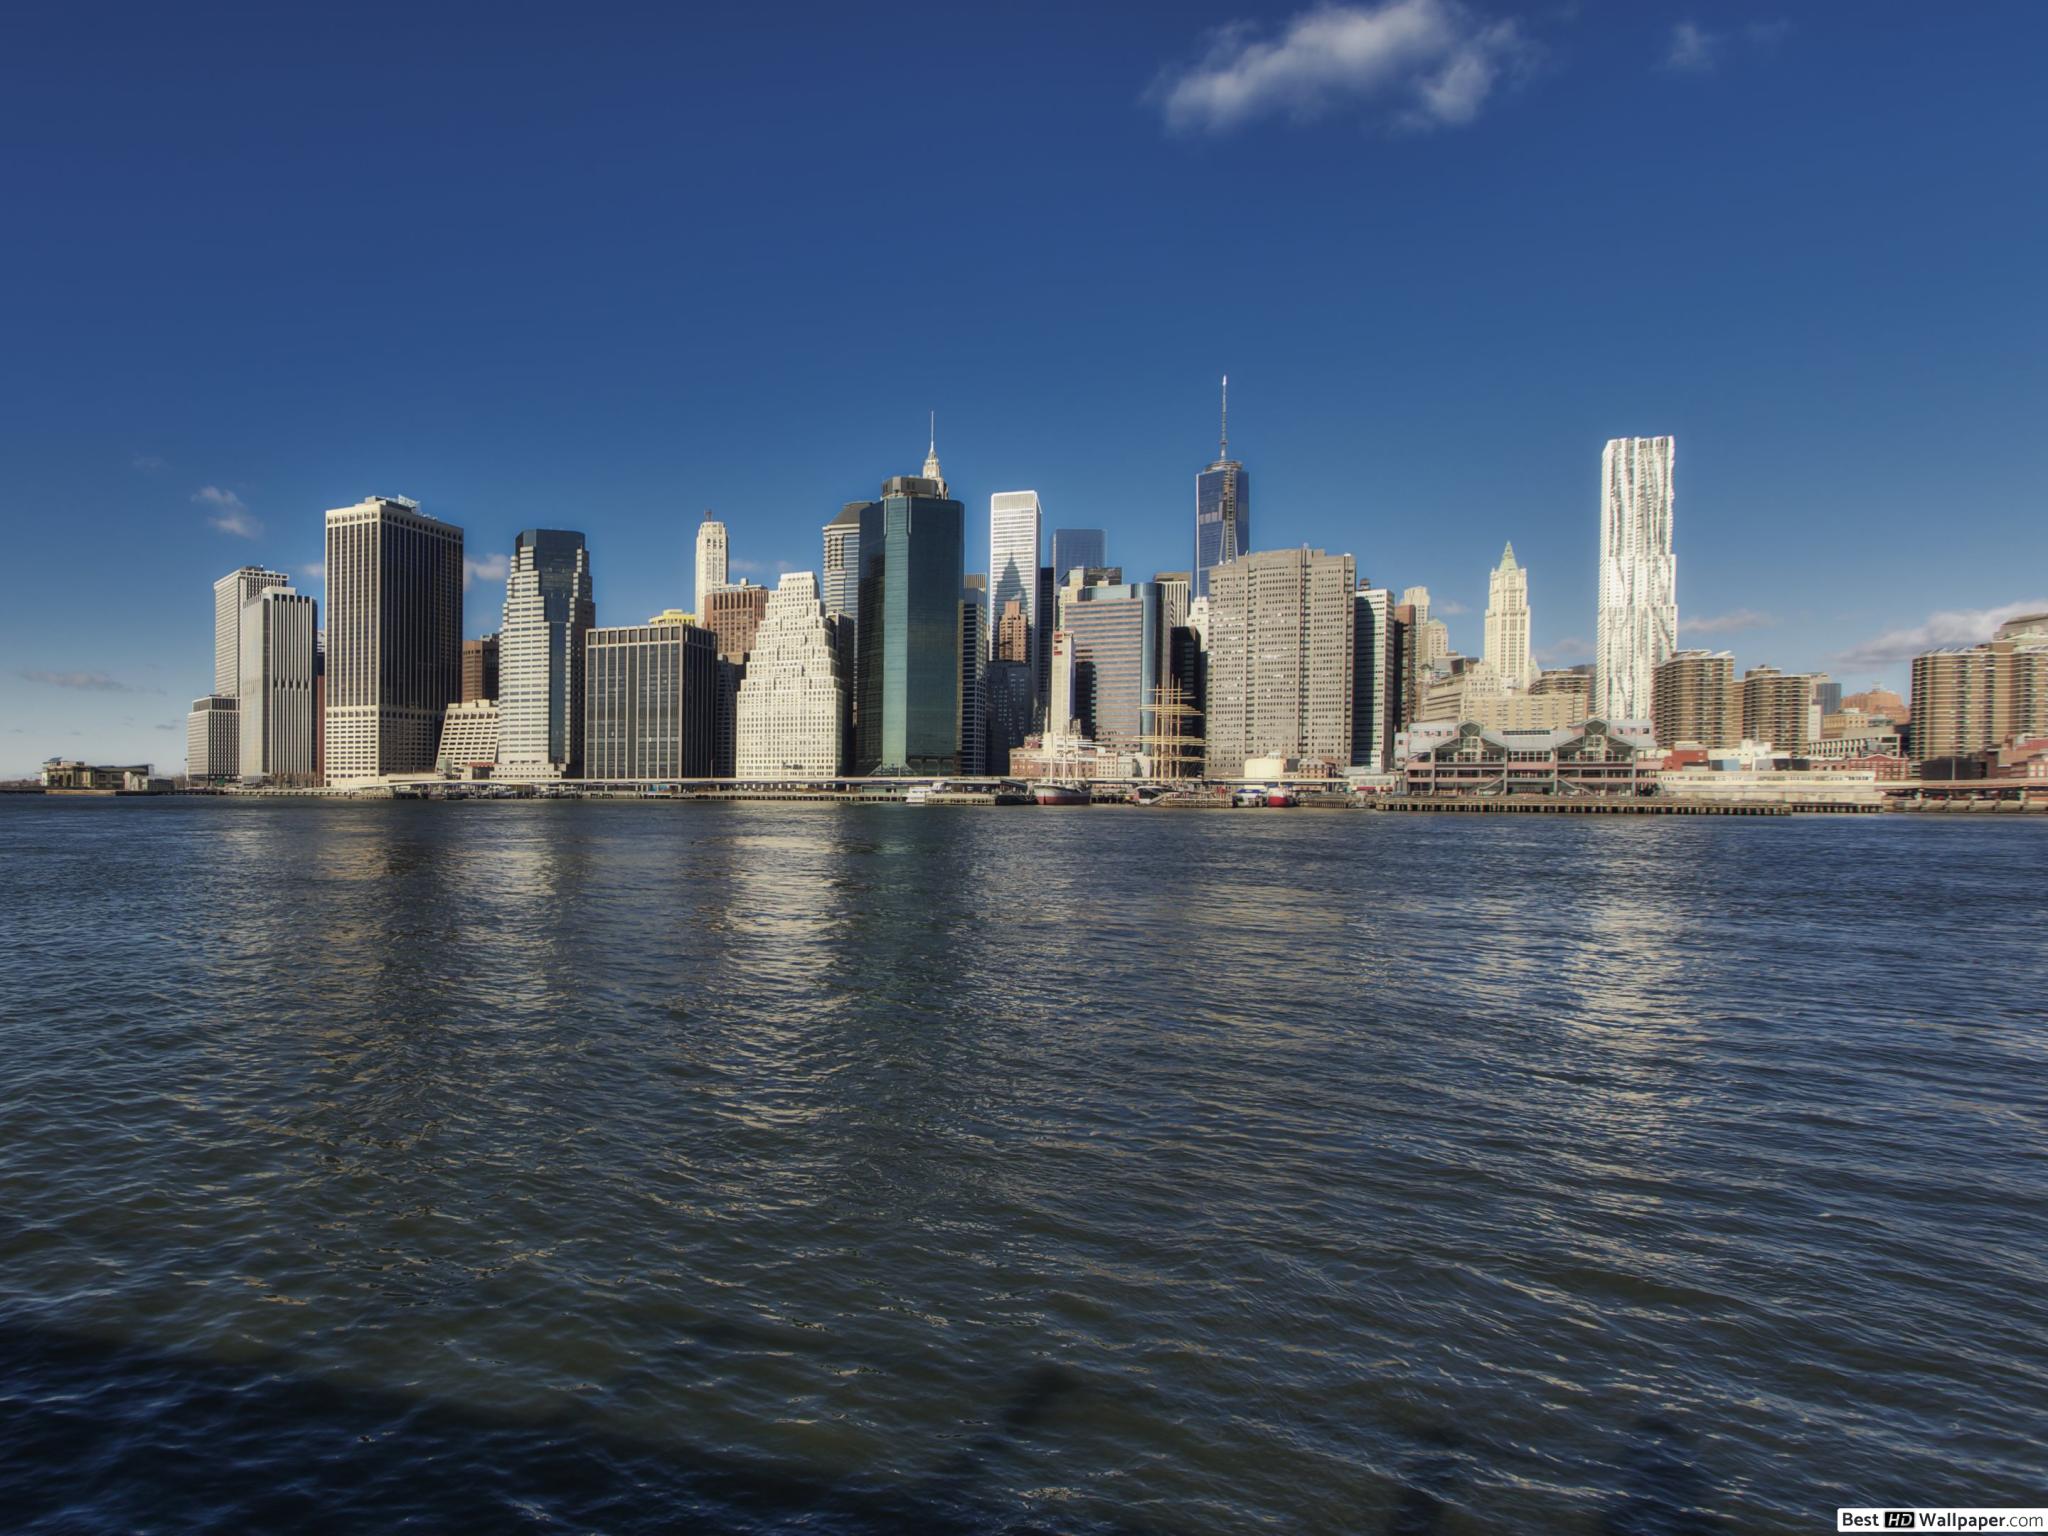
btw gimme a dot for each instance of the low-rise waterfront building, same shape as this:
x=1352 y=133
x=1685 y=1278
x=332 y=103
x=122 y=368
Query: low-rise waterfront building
x=213 y=750
x=469 y=740
x=1591 y=759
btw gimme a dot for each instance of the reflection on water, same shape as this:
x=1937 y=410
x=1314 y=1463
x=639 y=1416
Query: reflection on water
x=858 y=1169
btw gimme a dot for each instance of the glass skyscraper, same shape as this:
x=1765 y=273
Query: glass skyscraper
x=908 y=629
x=1223 y=509
x=549 y=608
x=1083 y=547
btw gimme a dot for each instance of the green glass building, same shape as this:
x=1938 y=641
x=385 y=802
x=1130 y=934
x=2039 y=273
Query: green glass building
x=908 y=635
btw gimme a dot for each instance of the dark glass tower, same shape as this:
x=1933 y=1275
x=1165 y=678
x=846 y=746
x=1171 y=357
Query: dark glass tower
x=1223 y=509
x=908 y=633
x=1077 y=547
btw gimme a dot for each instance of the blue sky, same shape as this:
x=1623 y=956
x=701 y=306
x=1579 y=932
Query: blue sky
x=603 y=268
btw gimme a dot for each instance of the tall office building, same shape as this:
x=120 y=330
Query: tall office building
x=1507 y=623
x=394 y=637
x=1077 y=548
x=1693 y=698
x=1117 y=648
x=974 y=649
x=277 y=669
x=1778 y=707
x=480 y=670
x=733 y=615
x=549 y=609
x=841 y=583
x=908 y=632
x=1013 y=539
x=1223 y=509
x=1009 y=688
x=1638 y=614
x=1048 y=621
x=212 y=742
x=650 y=707
x=1282 y=634
x=1376 y=713
x=711 y=559
x=1175 y=588
x=792 y=700
x=1970 y=699
x=1061 y=720
x=230 y=594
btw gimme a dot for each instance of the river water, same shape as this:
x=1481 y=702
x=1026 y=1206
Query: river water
x=850 y=1169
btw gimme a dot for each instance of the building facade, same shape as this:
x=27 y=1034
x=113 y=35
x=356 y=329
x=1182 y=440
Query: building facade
x=394 y=637
x=1116 y=652
x=550 y=608
x=1595 y=759
x=480 y=670
x=840 y=585
x=213 y=745
x=908 y=631
x=1077 y=548
x=1506 y=645
x=277 y=671
x=1637 y=623
x=711 y=559
x=1376 y=712
x=1280 y=669
x=1778 y=707
x=1693 y=697
x=651 y=702
x=792 y=701
x=733 y=616
x=1971 y=699
x=469 y=739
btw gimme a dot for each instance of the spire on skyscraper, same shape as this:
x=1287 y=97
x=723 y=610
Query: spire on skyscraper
x=1507 y=556
x=1223 y=438
x=931 y=458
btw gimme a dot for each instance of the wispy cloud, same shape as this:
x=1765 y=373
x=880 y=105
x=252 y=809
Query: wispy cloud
x=314 y=570
x=1422 y=63
x=1695 y=50
x=84 y=682
x=761 y=567
x=1728 y=623
x=484 y=568
x=1960 y=626
x=1564 y=653
x=1448 y=607
x=229 y=513
x=148 y=464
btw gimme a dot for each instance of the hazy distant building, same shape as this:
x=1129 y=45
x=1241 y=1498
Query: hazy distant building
x=277 y=669
x=1638 y=601
x=480 y=670
x=469 y=739
x=1778 y=707
x=1013 y=634
x=1878 y=702
x=1077 y=547
x=1693 y=697
x=550 y=607
x=792 y=700
x=651 y=702
x=908 y=633
x=1969 y=699
x=711 y=560
x=1223 y=511
x=733 y=614
x=213 y=751
x=394 y=637
x=1280 y=670
x=1827 y=694
x=1013 y=540
x=1506 y=647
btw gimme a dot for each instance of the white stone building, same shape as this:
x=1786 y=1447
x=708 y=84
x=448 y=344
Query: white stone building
x=792 y=702
x=1507 y=623
x=1638 y=603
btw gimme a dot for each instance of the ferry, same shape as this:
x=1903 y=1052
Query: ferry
x=1281 y=797
x=1253 y=796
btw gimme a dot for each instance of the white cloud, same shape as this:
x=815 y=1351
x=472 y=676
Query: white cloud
x=314 y=570
x=1694 y=49
x=1728 y=623
x=484 y=568
x=1961 y=626
x=1448 y=607
x=229 y=514
x=1429 y=63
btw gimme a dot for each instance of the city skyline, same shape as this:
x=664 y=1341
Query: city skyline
x=1410 y=387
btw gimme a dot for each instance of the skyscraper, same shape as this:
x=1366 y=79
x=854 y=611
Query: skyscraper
x=1282 y=637
x=711 y=559
x=276 y=705
x=974 y=649
x=841 y=583
x=1376 y=699
x=394 y=637
x=549 y=608
x=1074 y=547
x=1013 y=538
x=1117 y=650
x=792 y=700
x=1638 y=615
x=230 y=594
x=1507 y=623
x=733 y=615
x=651 y=707
x=908 y=639
x=1223 y=509
x=480 y=670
